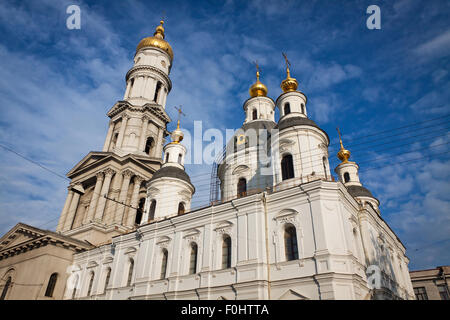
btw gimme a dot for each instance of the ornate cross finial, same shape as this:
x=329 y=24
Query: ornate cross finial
x=288 y=64
x=340 y=138
x=257 y=69
x=180 y=112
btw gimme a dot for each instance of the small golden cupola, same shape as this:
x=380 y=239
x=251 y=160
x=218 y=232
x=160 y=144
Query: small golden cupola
x=177 y=135
x=258 y=89
x=343 y=153
x=157 y=41
x=288 y=84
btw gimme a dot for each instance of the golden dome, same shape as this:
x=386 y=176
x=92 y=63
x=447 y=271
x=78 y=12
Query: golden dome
x=177 y=135
x=343 y=153
x=289 y=84
x=258 y=89
x=157 y=41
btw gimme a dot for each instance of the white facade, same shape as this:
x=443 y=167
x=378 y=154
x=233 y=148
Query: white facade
x=284 y=229
x=337 y=240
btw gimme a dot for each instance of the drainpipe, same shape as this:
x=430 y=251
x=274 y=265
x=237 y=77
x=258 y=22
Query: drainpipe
x=264 y=201
x=315 y=244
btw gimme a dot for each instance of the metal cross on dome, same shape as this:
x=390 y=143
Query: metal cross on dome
x=180 y=112
x=257 y=68
x=288 y=64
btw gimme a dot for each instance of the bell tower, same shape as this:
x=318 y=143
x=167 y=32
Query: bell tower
x=106 y=196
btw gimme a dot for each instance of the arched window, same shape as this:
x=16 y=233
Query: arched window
x=303 y=108
x=287 y=167
x=290 y=243
x=157 y=90
x=91 y=282
x=254 y=114
x=139 y=211
x=151 y=214
x=74 y=292
x=235 y=144
x=287 y=108
x=242 y=187
x=181 y=208
x=130 y=272
x=51 y=285
x=324 y=163
x=165 y=255
x=346 y=177
x=149 y=145
x=193 y=259
x=180 y=157
x=6 y=288
x=226 y=252
x=167 y=157
x=108 y=276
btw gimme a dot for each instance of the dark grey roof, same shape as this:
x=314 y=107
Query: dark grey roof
x=172 y=172
x=359 y=191
x=252 y=125
x=297 y=121
x=259 y=124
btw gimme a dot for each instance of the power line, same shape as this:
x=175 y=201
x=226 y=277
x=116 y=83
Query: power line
x=34 y=162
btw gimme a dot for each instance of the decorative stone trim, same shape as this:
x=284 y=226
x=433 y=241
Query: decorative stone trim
x=149 y=68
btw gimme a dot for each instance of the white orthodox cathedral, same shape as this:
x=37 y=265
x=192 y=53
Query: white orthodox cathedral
x=282 y=227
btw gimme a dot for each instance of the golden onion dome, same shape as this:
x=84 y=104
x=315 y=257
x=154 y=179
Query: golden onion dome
x=177 y=135
x=343 y=153
x=157 y=41
x=258 y=89
x=289 y=84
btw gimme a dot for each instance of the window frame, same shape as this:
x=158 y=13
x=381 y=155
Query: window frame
x=51 y=284
x=290 y=243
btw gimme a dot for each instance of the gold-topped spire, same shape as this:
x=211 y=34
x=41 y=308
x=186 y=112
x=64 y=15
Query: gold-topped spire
x=159 y=31
x=177 y=135
x=288 y=84
x=343 y=153
x=157 y=41
x=258 y=89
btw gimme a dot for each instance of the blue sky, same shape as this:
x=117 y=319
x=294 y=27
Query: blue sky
x=57 y=85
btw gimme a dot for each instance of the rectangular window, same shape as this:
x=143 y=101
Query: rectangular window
x=421 y=293
x=443 y=292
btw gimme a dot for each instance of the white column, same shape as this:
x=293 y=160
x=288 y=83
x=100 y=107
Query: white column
x=134 y=200
x=158 y=144
x=62 y=219
x=163 y=99
x=143 y=133
x=72 y=210
x=108 y=136
x=141 y=86
x=127 y=91
x=146 y=81
x=94 y=199
x=127 y=174
x=122 y=130
x=102 y=200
